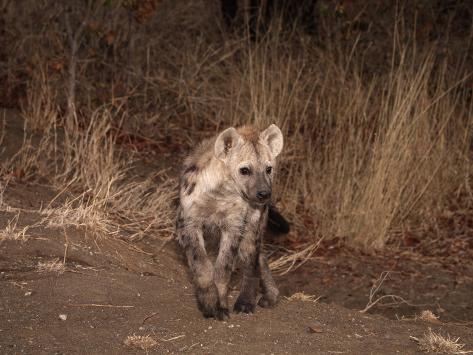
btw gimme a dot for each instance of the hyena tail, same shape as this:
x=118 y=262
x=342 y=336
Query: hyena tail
x=276 y=222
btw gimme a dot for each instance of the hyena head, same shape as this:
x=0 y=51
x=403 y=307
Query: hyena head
x=250 y=158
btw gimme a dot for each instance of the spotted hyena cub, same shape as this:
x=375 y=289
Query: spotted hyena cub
x=225 y=191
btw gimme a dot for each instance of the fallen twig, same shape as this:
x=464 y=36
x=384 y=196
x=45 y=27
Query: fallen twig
x=148 y=317
x=174 y=338
x=98 y=305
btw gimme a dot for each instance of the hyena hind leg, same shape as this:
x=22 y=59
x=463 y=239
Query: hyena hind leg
x=268 y=287
x=203 y=276
x=246 y=301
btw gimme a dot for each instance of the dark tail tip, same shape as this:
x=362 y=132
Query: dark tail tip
x=276 y=222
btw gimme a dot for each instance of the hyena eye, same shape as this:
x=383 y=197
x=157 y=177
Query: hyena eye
x=269 y=170
x=245 y=171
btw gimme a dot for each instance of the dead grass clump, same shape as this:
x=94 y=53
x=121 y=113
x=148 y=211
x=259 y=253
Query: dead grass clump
x=82 y=211
x=428 y=316
x=130 y=210
x=294 y=260
x=143 y=342
x=301 y=296
x=436 y=343
x=12 y=231
x=146 y=207
x=55 y=265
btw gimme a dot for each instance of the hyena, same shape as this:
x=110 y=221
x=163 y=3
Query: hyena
x=225 y=191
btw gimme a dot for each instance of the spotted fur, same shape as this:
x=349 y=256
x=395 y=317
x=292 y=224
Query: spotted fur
x=225 y=191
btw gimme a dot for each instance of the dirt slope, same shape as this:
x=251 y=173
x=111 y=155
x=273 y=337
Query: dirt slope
x=110 y=290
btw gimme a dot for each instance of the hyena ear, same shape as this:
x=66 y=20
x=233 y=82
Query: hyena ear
x=272 y=137
x=226 y=141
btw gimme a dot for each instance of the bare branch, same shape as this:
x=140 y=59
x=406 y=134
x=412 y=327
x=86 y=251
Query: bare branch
x=374 y=290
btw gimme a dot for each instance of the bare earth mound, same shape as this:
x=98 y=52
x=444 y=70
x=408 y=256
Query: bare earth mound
x=112 y=297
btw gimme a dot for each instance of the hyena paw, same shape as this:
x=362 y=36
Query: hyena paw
x=222 y=313
x=268 y=300
x=243 y=305
x=216 y=312
x=210 y=305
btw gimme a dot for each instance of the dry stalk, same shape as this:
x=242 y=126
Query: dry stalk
x=375 y=289
x=293 y=260
x=100 y=305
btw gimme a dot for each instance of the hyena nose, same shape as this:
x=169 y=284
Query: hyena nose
x=263 y=195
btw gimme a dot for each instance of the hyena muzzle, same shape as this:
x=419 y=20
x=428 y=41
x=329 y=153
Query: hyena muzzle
x=224 y=197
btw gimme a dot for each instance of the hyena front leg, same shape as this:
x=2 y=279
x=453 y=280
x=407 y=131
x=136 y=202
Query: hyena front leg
x=249 y=254
x=191 y=239
x=268 y=286
x=224 y=264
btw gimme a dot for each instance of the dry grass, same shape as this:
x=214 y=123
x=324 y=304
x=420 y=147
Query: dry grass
x=432 y=342
x=55 y=265
x=80 y=212
x=13 y=232
x=428 y=316
x=130 y=211
x=293 y=260
x=377 y=137
x=143 y=342
x=301 y=296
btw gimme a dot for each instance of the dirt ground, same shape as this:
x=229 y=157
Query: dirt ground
x=424 y=284
x=110 y=290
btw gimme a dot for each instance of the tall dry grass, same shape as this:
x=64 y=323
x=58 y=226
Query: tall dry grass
x=365 y=154
x=375 y=141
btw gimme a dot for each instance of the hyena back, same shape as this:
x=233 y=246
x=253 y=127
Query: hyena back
x=225 y=191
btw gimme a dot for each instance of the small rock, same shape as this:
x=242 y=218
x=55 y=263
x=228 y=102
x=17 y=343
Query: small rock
x=315 y=327
x=28 y=293
x=63 y=316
